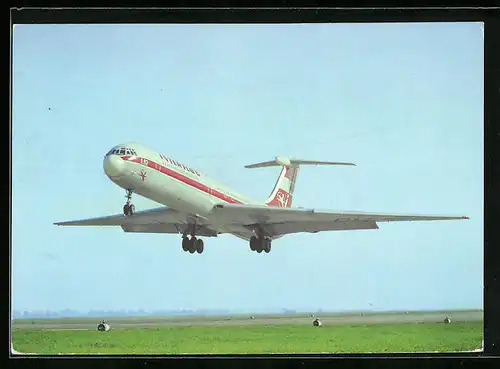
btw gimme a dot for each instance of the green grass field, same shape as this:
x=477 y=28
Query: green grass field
x=255 y=339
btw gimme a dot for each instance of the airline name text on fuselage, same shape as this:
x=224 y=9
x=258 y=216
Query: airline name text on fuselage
x=179 y=165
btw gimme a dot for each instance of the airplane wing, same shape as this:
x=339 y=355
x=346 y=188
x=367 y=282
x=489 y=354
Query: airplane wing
x=275 y=221
x=159 y=220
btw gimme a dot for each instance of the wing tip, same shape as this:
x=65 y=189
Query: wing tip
x=465 y=217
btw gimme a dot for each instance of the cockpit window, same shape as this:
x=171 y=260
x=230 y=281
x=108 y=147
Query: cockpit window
x=122 y=151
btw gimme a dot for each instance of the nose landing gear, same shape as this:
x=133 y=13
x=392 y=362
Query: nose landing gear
x=128 y=208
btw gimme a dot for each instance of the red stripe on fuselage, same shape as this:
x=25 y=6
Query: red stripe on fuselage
x=180 y=177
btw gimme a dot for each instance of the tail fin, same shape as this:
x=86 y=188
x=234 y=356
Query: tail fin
x=282 y=193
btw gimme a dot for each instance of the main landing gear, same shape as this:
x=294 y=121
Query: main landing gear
x=260 y=244
x=128 y=208
x=192 y=244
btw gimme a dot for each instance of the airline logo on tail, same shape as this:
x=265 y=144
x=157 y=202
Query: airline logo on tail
x=281 y=199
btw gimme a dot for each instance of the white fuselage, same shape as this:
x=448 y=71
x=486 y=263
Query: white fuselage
x=166 y=181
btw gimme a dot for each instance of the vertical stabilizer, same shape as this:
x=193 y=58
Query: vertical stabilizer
x=282 y=193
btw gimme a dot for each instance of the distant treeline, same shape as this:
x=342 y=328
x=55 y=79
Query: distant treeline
x=110 y=313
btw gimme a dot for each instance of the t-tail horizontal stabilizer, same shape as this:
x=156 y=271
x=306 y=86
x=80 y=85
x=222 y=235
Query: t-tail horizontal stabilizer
x=282 y=193
x=284 y=161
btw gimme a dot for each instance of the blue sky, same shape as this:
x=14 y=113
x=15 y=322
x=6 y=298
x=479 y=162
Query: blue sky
x=402 y=101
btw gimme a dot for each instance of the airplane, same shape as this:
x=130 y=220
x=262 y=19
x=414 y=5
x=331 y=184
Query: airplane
x=195 y=205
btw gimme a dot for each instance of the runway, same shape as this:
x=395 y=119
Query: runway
x=358 y=318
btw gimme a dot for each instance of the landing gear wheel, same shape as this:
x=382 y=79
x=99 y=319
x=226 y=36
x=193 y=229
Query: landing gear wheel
x=267 y=245
x=185 y=243
x=254 y=243
x=128 y=208
x=191 y=245
x=198 y=245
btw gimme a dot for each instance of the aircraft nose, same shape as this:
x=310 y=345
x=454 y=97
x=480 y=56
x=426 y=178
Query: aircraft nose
x=113 y=166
